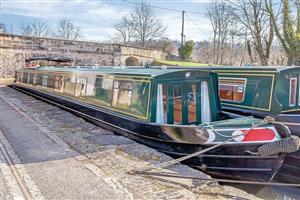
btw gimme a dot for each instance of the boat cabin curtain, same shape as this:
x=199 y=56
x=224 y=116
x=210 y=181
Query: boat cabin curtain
x=159 y=105
x=205 y=104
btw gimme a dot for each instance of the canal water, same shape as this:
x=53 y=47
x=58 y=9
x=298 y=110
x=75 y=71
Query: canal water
x=271 y=192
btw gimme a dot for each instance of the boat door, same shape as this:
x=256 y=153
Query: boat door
x=184 y=102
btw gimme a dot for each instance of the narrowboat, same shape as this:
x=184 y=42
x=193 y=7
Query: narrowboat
x=259 y=91
x=176 y=111
x=262 y=91
x=265 y=91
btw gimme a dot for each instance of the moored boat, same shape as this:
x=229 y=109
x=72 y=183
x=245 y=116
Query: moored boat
x=259 y=91
x=175 y=111
x=265 y=91
x=262 y=91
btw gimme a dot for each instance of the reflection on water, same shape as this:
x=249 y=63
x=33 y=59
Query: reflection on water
x=286 y=193
x=271 y=192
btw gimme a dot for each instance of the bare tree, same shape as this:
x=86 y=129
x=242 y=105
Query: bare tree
x=66 y=29
x=165 y=45
x=203 y=52
x=253 y=16
x=236 y=37
x=213 y=20
x=168 y=46
x=286 y=28
x=124 y=30
x=220 y=15
x=35 y=28
x=145 y=24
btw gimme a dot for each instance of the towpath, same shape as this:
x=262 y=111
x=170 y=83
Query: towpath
x=48 y=153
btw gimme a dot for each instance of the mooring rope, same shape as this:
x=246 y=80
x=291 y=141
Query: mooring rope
x=173 y=175
x=147 y=171
x=266 y=120
x=290 y=123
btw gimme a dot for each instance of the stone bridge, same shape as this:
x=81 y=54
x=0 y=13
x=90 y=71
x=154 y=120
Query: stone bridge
x=15 y=49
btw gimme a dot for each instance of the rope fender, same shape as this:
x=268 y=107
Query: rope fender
x=286 y=145
x=289 y=144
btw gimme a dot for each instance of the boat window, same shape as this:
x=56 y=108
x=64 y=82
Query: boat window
x=205 y=103
x=232 y=89
x=192 y=116
x=51 y=82
x=44 y=81
x=34 y=79
x=69 y=87
x=58 y=85
x=140 y=95
x=80 y=86
x=293 y=90
x=131 y=96
x=177 y=104
x=115 y=93
x=28 y=78
x=31 y=77
x=18 y=77
x=25 y=77
x=122 y=94
x=103 y=90
x=161 y=104
x=39 y=79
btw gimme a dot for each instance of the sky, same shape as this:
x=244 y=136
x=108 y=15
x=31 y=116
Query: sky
x=96 y=17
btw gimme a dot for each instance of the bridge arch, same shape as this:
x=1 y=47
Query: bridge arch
x=131 y=61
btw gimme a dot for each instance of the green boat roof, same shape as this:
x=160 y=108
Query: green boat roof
x=154 y=71
x=249 y=68
x=140 y=71
x=265 y=68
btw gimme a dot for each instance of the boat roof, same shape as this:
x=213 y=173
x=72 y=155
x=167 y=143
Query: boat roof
x=142 y=71
x=239 y=68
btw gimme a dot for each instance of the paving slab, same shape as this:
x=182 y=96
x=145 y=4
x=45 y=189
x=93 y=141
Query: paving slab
x=4 y=190
x=56 y=172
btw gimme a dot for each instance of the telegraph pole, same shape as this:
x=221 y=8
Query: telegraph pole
x=182 y=27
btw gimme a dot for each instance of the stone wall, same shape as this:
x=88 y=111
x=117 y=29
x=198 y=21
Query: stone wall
x=142 y=54
x=14 y=49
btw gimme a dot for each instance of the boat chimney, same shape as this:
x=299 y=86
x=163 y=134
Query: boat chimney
x=147 y=66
